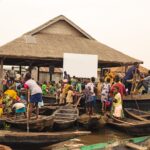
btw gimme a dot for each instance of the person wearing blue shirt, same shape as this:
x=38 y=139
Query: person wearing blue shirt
x=129 y=76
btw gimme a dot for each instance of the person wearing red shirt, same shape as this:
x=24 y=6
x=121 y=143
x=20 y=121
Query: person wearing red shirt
x=120 y=85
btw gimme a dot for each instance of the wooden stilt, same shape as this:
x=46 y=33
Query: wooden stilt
x=1 y=73
x=20 y=69
x=38 y=75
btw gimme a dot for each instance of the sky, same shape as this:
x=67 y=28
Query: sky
x=120 y=24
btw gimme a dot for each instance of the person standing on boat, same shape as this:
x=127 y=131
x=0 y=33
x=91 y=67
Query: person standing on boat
x=65 y=89
x=35 y=91
x=117 y=109
x=92 y=87
x=99 y=87
x=44 y=88
x=12 y=75
x=70 y=94
x=65 y=75
x=130 y=74
x=79 y=86
x=89 y=101
x=120 y=85
x=105 y=94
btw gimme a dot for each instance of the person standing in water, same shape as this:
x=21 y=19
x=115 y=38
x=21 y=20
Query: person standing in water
x=36 y=93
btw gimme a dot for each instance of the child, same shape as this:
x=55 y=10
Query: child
x=105 y=94
x=44 y=88
x=19 y=108
x=117 y=110
x=69 y=98
x=89 y=101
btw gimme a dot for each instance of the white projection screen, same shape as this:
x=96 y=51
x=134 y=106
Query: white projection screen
x=80 y=65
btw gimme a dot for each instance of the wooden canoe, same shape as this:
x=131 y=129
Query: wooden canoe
x=130 y=126
x=89 y=123
x=40 y=124
x=138 y=143
x=137 y=114
x=49 y=99
x=48 y=110
x=4 y=147
x=141 y=102
x=65 y=117
x=33 y=139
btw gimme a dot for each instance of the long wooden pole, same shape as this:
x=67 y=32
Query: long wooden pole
x=28 y=109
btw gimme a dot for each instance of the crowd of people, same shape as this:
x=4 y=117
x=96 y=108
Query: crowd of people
x=20 y=91
x=110 y=90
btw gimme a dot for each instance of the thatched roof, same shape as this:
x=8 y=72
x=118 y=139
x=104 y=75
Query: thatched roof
x=46 y=45
x=122 y=69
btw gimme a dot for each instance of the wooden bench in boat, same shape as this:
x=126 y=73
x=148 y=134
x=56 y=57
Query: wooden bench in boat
x=67 y=110
x=63 y=121
x=144 y=116
x=66 y=114
x=63 y=117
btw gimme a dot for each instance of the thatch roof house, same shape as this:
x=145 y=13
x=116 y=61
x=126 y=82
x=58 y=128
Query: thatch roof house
x=46 y=45
x=122 y=69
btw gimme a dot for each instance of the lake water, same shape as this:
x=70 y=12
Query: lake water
x=104 y=135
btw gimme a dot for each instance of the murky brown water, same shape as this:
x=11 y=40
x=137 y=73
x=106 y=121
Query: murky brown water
x=104 y=135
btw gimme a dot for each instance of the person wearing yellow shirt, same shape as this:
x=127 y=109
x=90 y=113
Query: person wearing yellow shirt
x=110 y=75
x=117 y=109
x=65 y=90
x=70 y=94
